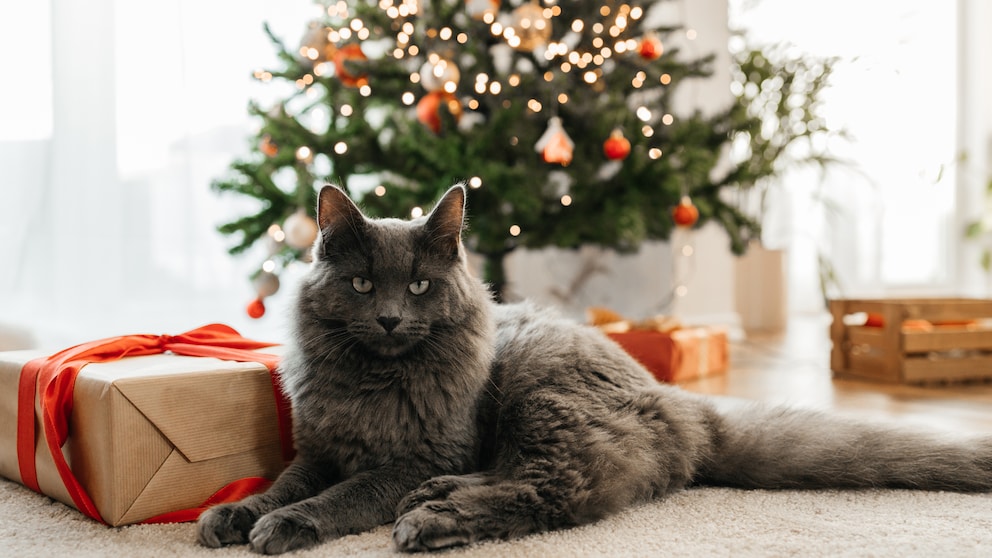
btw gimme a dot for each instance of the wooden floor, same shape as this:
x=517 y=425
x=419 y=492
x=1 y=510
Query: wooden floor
x=794 y=368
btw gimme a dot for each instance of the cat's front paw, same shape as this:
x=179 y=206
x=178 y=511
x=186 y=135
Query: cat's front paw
x=424 y=529
x=437 y=488
x=282 y=531
x=224 y=524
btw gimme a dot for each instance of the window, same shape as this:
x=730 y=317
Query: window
x=887 y=223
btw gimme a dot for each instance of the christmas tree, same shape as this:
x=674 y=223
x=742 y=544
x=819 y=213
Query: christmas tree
x=557 y=116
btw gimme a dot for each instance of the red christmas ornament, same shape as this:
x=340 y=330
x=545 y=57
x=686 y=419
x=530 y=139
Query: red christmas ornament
x=616 y=147
x=685 y=213
x=349 y=52
x=650 y=48
x=267 y=146
x=430 y=106
x=256 y=308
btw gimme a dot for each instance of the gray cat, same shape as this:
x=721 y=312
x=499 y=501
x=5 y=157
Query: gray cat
x=419 y=401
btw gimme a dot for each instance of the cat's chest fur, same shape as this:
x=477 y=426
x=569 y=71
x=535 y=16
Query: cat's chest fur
x=384 y=418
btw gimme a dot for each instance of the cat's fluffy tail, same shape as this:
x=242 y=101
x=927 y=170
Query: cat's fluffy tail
x=760 y=447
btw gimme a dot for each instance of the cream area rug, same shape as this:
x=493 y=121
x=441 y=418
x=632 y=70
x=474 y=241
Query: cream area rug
x=699 y=522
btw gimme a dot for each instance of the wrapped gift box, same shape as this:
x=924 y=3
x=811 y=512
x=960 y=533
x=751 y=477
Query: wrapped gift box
x=677 y=355
x=148 y=435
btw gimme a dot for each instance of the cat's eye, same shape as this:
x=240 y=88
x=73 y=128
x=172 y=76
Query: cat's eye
x=419 y=287
x=361 y=284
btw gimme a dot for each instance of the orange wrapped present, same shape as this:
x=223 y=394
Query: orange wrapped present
x=145 y=427
x=669 y=350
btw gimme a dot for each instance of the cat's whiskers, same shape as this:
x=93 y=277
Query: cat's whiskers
x=340 y=344
x=319 y=341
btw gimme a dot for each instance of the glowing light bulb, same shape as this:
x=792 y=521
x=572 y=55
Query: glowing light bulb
x=276 y=232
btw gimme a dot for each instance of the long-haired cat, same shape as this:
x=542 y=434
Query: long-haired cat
x=417 y=400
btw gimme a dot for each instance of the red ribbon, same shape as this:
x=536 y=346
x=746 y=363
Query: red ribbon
x=54 y=377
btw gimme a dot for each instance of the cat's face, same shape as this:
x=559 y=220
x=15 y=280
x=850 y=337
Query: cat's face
x=386 y=284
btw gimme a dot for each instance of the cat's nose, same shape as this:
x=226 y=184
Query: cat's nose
x=388 y=323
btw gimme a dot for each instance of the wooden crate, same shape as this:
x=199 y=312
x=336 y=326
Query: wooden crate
x=944 y=339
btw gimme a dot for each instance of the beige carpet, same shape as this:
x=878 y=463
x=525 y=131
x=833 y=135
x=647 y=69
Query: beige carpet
x=700 y=522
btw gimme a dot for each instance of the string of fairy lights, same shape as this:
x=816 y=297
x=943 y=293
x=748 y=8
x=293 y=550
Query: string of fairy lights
x=586 y=48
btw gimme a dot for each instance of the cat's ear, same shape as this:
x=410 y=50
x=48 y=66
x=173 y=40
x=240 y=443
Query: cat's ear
x=336 y=211
x=444 y=224
x=339 y=219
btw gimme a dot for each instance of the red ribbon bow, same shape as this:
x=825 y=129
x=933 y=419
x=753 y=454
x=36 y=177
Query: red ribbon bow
x=54 y=377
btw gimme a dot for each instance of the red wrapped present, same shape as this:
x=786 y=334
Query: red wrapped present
x=670 y=351
x=145 y=427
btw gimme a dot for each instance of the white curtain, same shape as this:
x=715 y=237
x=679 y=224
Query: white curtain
x=115 y=118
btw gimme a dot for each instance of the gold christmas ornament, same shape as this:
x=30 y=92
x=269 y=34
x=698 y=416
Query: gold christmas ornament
x=300 y=230
x=315 y=47
x=266 y=284
x=530 y=27
x=439 y=74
